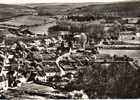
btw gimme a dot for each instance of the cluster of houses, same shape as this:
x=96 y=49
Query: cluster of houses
x=125 y=29
x=131 y=31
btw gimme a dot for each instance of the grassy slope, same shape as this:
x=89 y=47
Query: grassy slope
x=7 y=11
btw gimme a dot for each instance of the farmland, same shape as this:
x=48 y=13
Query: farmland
x=28 y=20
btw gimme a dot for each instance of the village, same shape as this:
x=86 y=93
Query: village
x=73 y=56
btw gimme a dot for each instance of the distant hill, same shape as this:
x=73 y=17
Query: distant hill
x=8 y=11
x=115 y=9
x=55 y=8
x=131 y=8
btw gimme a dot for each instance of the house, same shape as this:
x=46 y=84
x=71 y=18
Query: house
x=126 y=35
x=131 y=20
x=3 y=83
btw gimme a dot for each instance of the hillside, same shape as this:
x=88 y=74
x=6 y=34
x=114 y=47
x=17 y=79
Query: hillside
x=55 y=8
x=118 y=9
x=130 y=8
x=8 y=11
x=115 y=9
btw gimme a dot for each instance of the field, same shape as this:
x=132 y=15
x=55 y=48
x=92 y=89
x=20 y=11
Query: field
x=28 y=20
x=37 y=24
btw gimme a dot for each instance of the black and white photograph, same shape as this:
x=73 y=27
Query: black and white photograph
x=69 y=49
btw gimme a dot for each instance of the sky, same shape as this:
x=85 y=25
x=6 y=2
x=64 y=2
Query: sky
x=55 y=1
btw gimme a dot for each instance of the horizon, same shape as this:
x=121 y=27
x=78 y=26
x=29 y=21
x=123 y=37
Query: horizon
x=61 y=1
